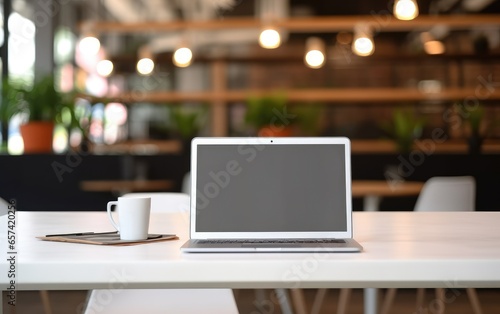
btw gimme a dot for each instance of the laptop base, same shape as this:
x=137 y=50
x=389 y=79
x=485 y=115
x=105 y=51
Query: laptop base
x=216 y=246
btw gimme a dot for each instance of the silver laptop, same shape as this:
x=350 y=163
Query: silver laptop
x=271 y=195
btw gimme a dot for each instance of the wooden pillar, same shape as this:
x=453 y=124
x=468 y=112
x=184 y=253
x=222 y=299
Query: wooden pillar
x=219 y=112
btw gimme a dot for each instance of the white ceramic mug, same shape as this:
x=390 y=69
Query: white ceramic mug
x=133 y=216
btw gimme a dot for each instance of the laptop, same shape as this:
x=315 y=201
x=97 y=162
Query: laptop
x=266 y=194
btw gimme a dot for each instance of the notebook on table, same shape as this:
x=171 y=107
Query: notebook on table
x=271 y=195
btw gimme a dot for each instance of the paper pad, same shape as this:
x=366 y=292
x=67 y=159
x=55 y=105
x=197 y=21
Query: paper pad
x=105 y=238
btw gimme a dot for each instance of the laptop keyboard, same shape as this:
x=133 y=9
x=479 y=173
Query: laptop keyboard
x=273 y=241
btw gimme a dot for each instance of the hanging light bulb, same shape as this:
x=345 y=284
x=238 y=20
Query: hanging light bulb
x=363 y=41
x=269 y=38
x=89 y=45
x=104 y=68
x=315 y=53
x=183 y=57
x=405 y=9
x=434 y=47
x=431 y=45
x=145 y=65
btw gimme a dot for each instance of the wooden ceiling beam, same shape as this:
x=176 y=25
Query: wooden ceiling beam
x=303 y=24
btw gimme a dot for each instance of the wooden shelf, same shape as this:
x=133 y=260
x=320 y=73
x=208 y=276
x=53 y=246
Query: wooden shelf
x=334 y=95
x=126 y=186
x=148 y=147
x=383 y=188
x=380 y=146
x=296 y=55
x=448 y=147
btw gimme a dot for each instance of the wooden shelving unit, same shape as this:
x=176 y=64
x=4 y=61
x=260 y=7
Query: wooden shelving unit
x=220 y=96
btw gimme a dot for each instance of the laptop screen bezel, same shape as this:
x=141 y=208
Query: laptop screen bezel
x=255 y=141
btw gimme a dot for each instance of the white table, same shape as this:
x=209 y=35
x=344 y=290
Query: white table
x=401 y=249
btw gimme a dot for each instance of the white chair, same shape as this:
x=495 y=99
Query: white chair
x=447 y=194
x=162 y=300
x=186 y=183
x=442 y=194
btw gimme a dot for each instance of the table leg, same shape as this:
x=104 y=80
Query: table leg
x=370 y=203
x=371 y=300
x=284 y=301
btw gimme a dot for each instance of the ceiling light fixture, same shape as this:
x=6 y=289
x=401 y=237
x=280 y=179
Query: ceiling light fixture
x=145 y=65
x=89 y=45
x=104 y=68
x=405 y=9
x=270 y=38
x=315 y=53
x=268 y=12
x=183 y=57
x=363 y=44
x=432 y=46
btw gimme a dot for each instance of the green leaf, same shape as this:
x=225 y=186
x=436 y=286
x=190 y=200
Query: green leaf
x=405 y=128
x=262 y=111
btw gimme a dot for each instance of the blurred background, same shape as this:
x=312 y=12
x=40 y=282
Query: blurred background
x=414 y=85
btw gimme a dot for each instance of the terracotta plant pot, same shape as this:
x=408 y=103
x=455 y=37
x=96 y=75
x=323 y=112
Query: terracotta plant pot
x=37 y=137
x=273 y=131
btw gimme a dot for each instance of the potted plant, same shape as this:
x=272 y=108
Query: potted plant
x=472 y=119
x=269 y=115
x=41 y=104
x=308 y=118
x=404 y=129
x=186 y=123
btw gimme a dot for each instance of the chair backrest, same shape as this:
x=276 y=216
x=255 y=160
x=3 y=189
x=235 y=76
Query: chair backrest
x=4 y=207
x=166 y=201
x=447 y=194
x=186 y=183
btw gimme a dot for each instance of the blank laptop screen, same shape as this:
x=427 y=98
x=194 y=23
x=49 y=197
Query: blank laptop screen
x=271 y=188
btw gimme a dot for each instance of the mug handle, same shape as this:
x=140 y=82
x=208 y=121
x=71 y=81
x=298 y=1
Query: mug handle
x=111 y=216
